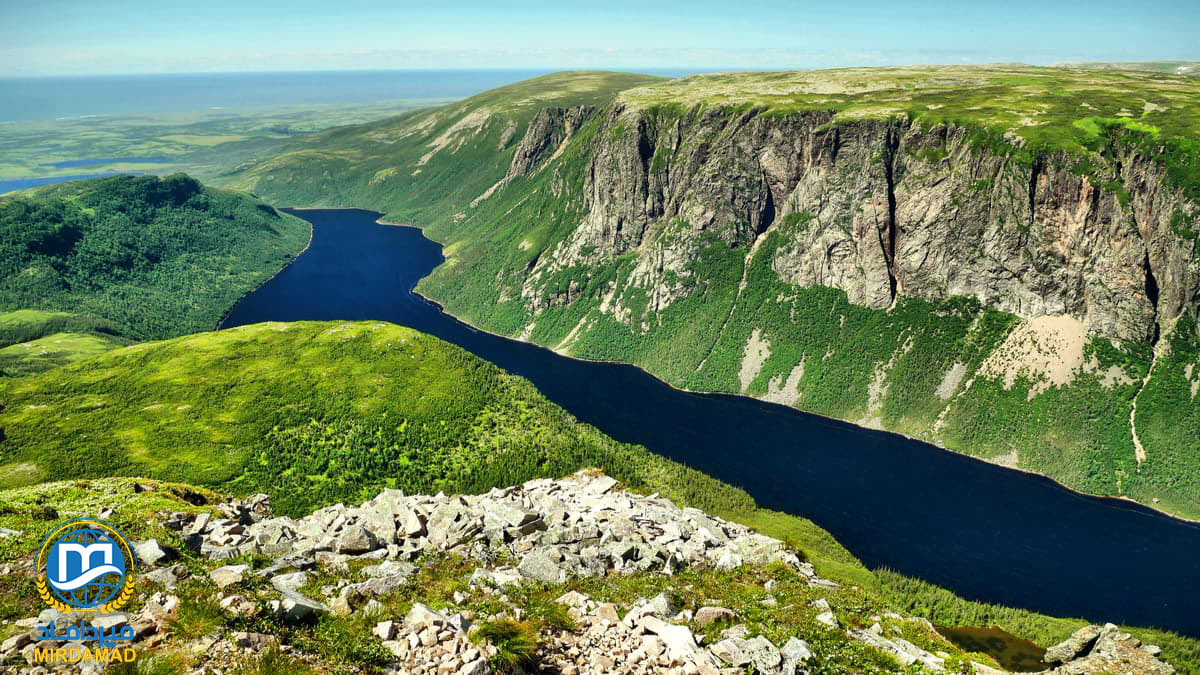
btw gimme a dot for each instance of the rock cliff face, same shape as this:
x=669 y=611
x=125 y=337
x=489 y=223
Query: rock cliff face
x=889 y=208
x=978 y=275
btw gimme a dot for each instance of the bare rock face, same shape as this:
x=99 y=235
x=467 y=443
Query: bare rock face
x=1096 y=649
x=877 y=208
x=547 y=131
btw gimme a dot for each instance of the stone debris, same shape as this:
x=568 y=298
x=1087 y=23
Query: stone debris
x=576 y=526
x=554 y=530
x=1105 y=649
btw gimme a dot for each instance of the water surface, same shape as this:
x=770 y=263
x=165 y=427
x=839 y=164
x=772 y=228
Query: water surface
x=87 y=163
x=983 y=531
x=26 y=183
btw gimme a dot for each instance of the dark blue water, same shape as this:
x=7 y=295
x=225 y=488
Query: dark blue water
x=986 y=532
x=82 y=163
x=26 y=183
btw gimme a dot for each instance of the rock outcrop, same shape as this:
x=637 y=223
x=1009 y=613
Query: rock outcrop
x=889 y=208
x=555 y=530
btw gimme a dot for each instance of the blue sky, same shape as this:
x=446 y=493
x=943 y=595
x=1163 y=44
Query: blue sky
x=45 y=37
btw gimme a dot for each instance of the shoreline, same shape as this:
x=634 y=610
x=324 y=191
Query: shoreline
x=1122 y=500
x=262 y=283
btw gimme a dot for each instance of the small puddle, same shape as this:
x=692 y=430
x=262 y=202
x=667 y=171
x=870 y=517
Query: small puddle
x=1011 y=652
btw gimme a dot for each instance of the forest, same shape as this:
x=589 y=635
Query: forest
x=153 y=257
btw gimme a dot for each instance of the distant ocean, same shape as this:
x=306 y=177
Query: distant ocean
x=48 y=98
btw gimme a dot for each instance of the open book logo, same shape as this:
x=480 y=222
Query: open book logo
x=85 y=565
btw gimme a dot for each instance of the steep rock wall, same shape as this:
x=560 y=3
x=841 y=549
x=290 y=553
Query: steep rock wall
x=892 y=208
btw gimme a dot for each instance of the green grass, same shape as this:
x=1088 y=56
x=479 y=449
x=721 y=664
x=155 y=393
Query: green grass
x=516 y=643
x=151 y=257
x=32 y=341
x=317 y=413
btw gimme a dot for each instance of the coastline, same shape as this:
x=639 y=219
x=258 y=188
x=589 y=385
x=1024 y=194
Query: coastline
x=1122 y=500
x=260 y=284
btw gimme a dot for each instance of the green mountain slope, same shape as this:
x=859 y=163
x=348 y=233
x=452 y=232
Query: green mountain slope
x=999 y=260
x=153 y=257
x=319 y=413
x=425 y=164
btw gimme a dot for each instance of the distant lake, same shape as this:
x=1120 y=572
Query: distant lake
x=7 y=186
x=47 y=98
x=84 y=163
x=984 y=531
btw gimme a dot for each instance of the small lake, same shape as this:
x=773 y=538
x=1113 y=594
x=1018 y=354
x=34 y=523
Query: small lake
x=26 y=183
x=983 y=531
x=90 y=163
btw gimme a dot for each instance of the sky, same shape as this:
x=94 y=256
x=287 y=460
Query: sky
x=87 y=37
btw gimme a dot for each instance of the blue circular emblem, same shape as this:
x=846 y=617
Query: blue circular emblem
x=87 y=564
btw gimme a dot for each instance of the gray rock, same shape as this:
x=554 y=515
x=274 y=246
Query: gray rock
x=1067 y=650
x=732 y=651
x=421 y=617
x=384 y=630
x=828 y=619
x=764 y=655
x=356 y=539
x=541 y=564
x=709 y=615
x=796 y=651
x=228 y=575
x=680 y=642
x=389 y=568
x=663 y=606
x=291 y=581
x=163 y=577
x=254 y=641
x=296 y=608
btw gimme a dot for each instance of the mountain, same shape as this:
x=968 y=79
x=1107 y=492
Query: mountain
x=321 y=415
x=999 y=260
x=1189 y=68
x=427 y=163
x=146 y=257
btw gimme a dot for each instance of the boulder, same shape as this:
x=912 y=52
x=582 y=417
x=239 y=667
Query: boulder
x=710 y=615
x=421 y=617
x=356 y=539
x=228 y=575
x=1067 y=650
x=296 y=608
x=764 y=655
x=541 y=564
x=150 y=552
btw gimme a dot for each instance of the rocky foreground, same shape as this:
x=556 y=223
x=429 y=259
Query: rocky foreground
x=348 y=561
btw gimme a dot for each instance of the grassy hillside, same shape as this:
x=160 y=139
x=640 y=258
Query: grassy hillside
x=317 y=413
x=151 y=257
x=423 y=165
x=32 y=341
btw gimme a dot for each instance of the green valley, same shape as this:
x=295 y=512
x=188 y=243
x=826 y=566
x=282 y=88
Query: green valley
x=994 y=259
x=319 y=413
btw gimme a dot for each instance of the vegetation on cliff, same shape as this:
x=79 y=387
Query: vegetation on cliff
x=870 y=244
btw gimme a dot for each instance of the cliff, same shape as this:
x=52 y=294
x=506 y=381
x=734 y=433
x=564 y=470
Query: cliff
x=1002 y=261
